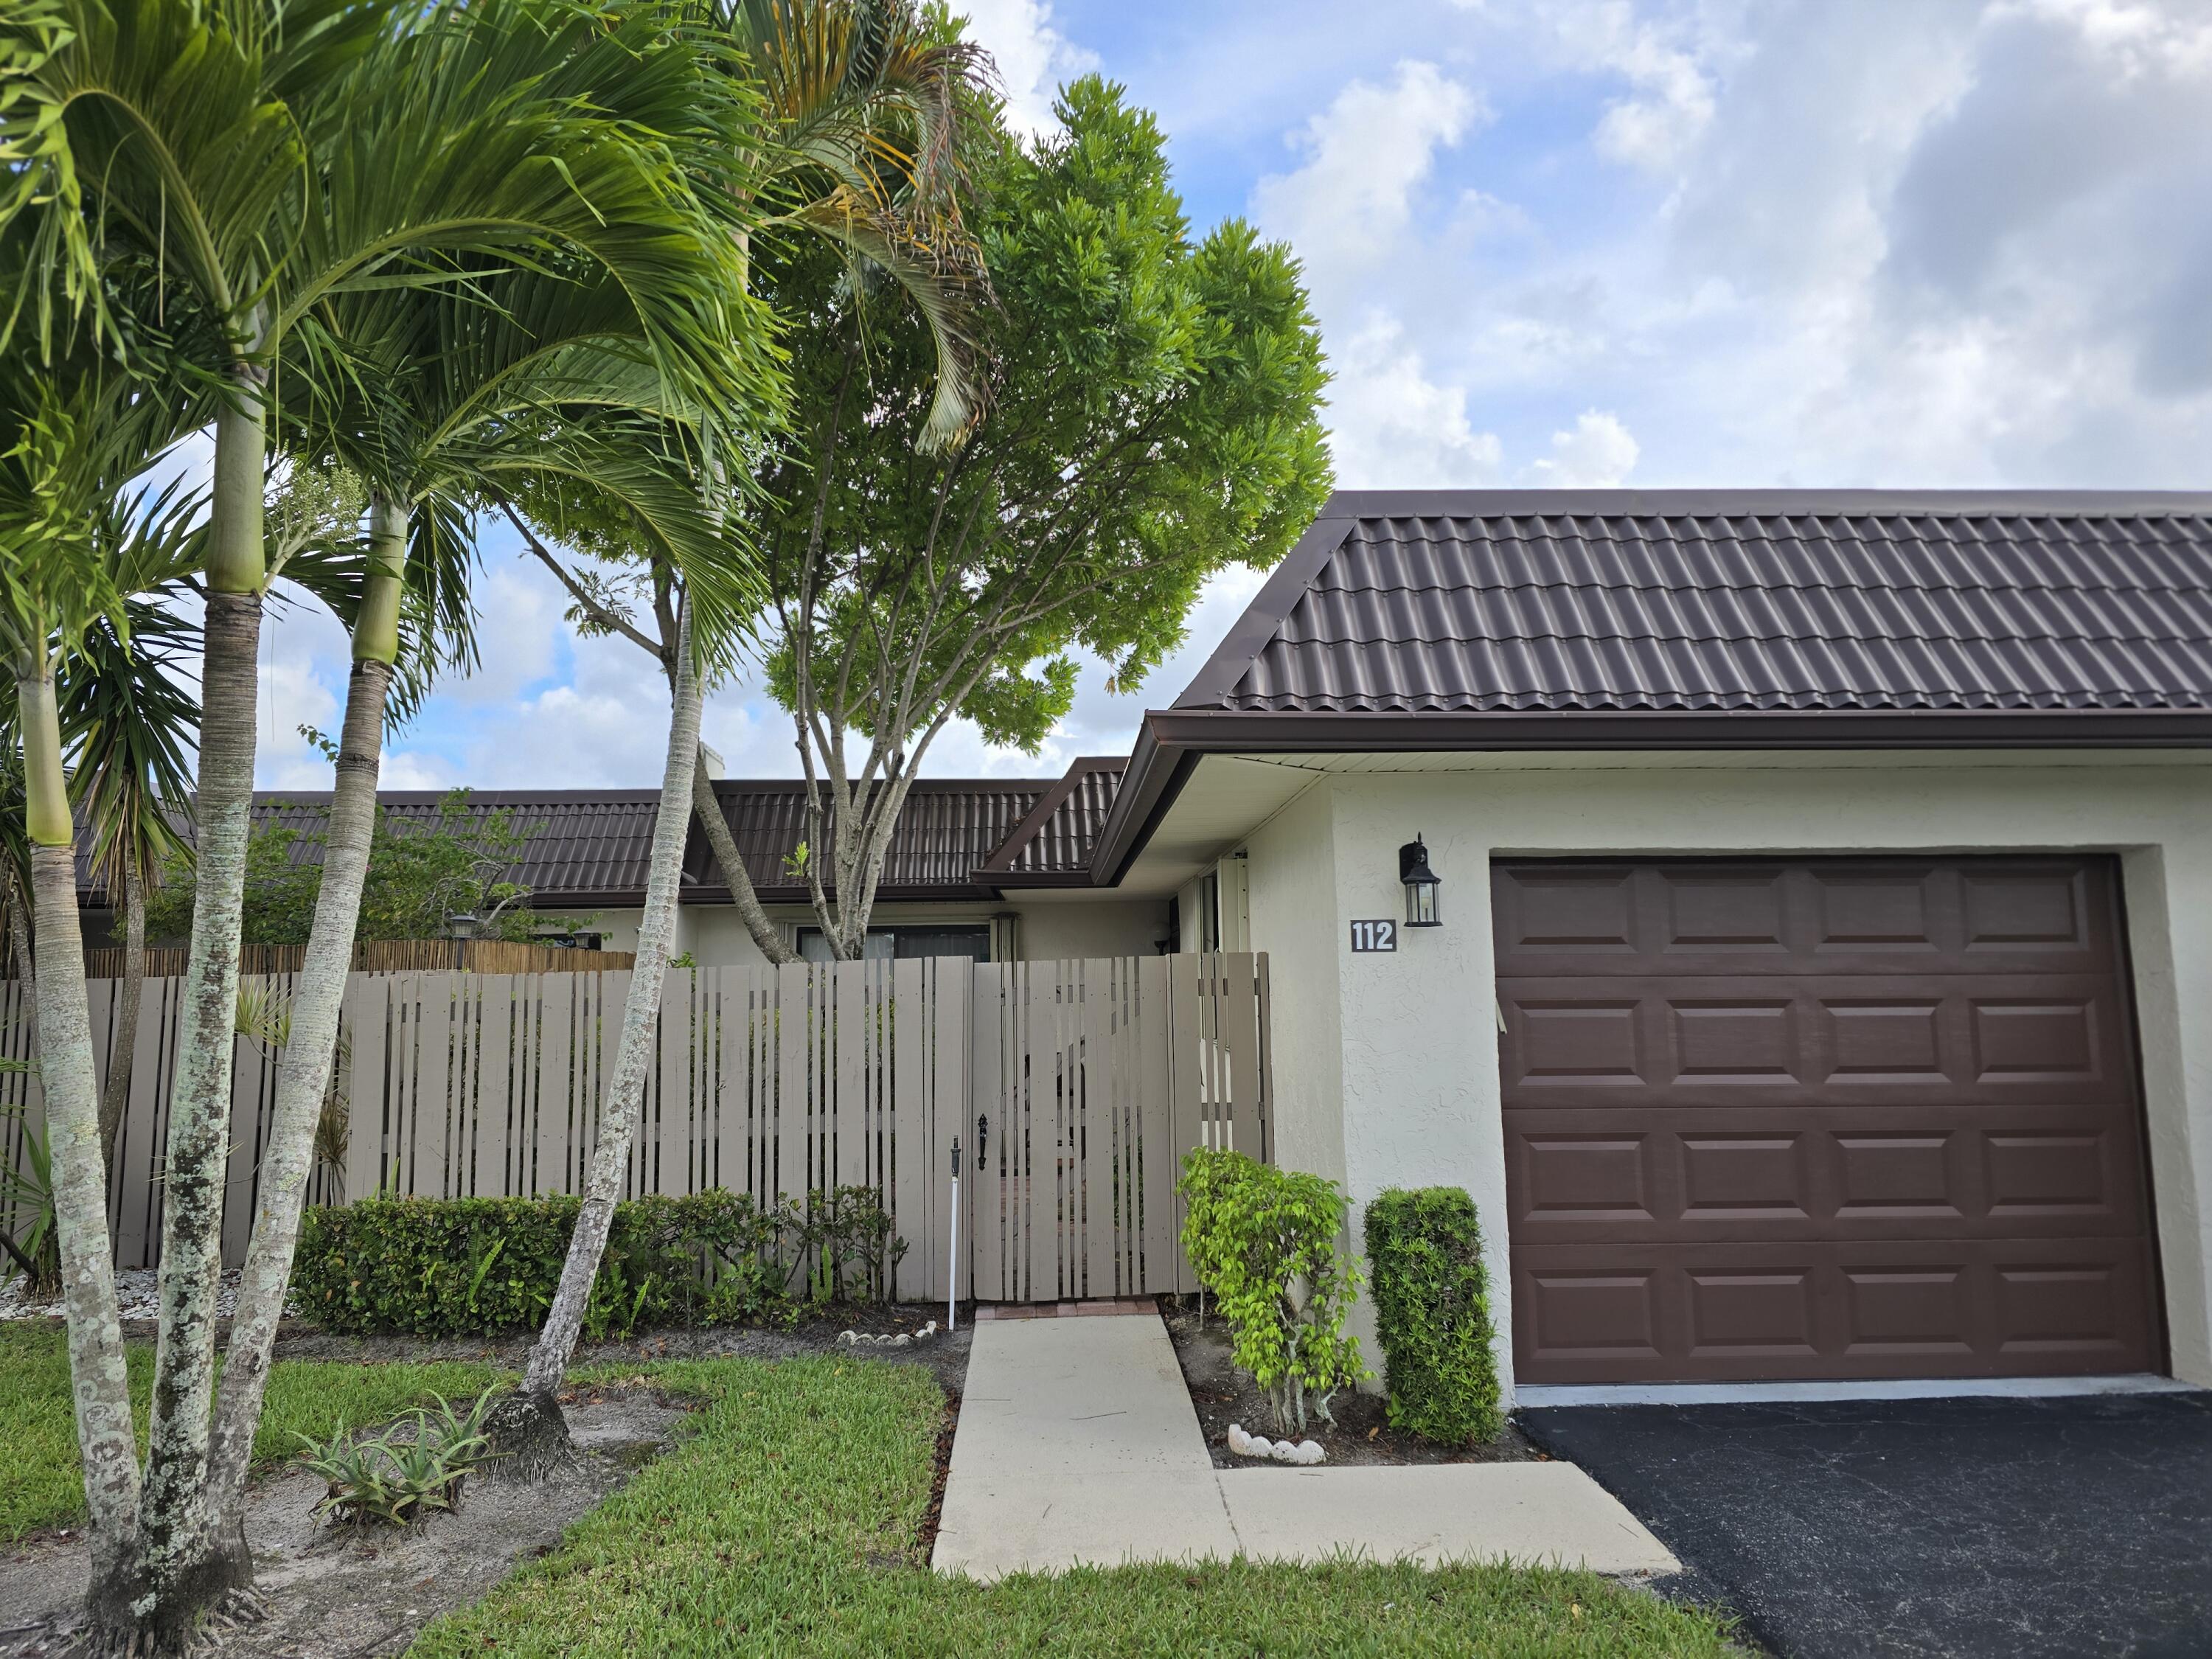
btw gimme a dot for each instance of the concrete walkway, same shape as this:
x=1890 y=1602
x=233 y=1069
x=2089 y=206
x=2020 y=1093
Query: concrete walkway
x=1078 y=1444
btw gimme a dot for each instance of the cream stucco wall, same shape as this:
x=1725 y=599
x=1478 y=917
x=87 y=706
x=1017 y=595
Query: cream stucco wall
x=1053 y=929
x=1417 y=1101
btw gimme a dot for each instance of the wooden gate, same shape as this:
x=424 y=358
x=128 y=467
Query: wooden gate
x=1074 y=1089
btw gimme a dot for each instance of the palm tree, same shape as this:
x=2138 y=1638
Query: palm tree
x=867 y=103
x=442 y=395
x=72 y=438
x=267 y=157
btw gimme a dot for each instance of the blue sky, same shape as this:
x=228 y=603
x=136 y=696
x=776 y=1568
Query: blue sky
x=1570 y=242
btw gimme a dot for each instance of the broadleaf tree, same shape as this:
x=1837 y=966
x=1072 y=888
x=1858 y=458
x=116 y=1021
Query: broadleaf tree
x=1152 y=421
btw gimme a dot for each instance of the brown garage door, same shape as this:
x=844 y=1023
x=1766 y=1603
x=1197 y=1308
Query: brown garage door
x=1822 y=1118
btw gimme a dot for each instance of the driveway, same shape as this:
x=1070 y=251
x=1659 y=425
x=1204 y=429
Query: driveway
x=2015 y=1528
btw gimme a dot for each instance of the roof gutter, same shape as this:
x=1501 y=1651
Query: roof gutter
x=1172 y=741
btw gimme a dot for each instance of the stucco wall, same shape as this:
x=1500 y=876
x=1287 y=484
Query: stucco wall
x=1294 y=917
x=1420 y=1096
x=1092 y=927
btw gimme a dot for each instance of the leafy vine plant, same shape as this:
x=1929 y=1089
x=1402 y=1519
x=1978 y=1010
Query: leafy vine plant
x=1265 y=1243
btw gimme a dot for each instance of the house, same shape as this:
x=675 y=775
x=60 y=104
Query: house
x=1820 y=984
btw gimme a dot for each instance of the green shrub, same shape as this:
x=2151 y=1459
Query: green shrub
x=1433 y=1315
x=1264 y=1241
x=446 y=1266
x=413 y=1469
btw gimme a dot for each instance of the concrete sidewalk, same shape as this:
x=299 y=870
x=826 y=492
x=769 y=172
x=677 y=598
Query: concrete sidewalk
x=1078 y=1444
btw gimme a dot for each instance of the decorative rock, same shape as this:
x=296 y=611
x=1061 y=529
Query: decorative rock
x=1281 y=1451
x=903 y=1340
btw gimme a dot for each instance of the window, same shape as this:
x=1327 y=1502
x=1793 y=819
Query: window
x=572 y=941
x=1209 y=911
x=903 y=944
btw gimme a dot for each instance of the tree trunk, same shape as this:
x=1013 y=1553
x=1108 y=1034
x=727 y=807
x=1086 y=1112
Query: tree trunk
x=741 y=881
x=71 y=1092
x=303 y=1079
x=123 y=1043
x=172 y=1521
x=528 y=1427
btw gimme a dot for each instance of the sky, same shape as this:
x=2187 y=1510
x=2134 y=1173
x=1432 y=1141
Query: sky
x=1563 y=243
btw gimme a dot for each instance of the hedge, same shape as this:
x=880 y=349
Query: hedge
x=449 y=1267
x=1433 y=1315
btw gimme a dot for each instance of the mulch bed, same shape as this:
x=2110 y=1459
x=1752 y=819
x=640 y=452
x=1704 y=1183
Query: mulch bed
x=1222 y=1395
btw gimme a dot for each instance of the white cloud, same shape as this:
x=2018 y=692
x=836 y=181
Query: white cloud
x=1347 y=210
x=1671 y=98
x=1391 y=425
x=1034 y=58
x=1597 y=453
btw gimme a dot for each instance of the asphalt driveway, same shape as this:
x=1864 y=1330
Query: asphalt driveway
x=2012 y=1528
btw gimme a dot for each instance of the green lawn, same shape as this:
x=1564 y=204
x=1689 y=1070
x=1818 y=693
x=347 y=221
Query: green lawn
x=786 y=1524
x=42 y=1482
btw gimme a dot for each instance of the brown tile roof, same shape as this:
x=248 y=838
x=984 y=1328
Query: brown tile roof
x=1719 y=600
x=1052 y=846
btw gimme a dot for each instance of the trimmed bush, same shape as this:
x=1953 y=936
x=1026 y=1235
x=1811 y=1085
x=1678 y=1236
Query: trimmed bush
x=449 y=1267
x=1264 y=1241
x=1433 y=1315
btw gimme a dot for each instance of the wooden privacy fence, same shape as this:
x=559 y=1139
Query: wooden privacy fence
x=1074 y=1088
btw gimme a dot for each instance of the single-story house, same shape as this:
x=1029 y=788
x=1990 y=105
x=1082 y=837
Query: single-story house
x=1821 y=979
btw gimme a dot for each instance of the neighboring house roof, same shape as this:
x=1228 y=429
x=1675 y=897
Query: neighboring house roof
x=591 y=847
x=1052 y=846
x=1557 y=619
x=946 y=830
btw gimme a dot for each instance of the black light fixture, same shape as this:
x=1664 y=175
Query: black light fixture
x=1421 y=885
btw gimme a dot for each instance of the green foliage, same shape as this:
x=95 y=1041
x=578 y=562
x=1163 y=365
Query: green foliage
x=414 y=1469
x=420 y=877
x=777 y=1526
x=1432 y=1314
x=443 y=1267
x=1152 y=419
x=1264 y=1241
x=27 y=1217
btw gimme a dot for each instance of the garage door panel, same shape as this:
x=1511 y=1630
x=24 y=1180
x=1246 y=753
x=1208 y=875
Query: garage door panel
x=2002 y=1307
x=1862 y=916
x=1857 y=1117
x=1834 y=1171
x=1775 y=1041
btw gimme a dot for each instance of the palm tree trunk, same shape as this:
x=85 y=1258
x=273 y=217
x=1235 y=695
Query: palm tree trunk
x=71 y=1095
x=735 y=873
x=528 y=1425
x=317 y=998
x=123 y=1043
x=174 y=1515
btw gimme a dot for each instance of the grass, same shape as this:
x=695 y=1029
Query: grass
x=787 y=1523
x=42 y=1482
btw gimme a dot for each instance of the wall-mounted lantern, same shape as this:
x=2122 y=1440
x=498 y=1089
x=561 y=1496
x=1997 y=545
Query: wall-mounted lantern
x=1421 y=885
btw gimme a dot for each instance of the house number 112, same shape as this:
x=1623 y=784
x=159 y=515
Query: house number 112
x=1374 y=936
